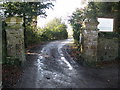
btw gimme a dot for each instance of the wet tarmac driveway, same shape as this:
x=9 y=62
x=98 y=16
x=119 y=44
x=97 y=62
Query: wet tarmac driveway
x=50 y=66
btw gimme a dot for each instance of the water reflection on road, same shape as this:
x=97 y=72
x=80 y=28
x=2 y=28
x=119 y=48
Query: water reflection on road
x=52 y=67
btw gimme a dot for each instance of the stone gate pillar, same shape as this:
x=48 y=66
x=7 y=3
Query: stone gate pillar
x=15 y=38
x=0 y=53
x=90 y=41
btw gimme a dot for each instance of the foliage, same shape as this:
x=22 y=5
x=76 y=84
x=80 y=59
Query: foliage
x=94 y=10
x=29 y=8
x=75 y=21
x=106 y=9
x=54 y=30
x=32 y=36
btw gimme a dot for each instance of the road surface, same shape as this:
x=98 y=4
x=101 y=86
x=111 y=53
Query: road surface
x=50 y=66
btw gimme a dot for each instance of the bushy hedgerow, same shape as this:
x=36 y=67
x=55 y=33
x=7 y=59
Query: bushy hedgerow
x=53 y=31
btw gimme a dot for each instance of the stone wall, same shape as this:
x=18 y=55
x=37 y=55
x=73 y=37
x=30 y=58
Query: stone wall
x=0 y=53
x=107 y=48
x=0 y=41
x=97 y=48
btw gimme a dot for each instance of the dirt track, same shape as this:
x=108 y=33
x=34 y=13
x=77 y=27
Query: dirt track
x=50 y=66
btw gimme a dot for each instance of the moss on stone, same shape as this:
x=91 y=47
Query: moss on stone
x=11 y=19
x=17 y=26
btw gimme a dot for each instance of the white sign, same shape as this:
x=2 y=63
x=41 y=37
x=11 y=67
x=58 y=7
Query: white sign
x=103 y=0
x=105 y=24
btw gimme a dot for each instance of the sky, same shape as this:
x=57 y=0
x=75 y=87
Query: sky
x=62 y=9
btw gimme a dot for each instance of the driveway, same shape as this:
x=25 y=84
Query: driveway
x=50 y=66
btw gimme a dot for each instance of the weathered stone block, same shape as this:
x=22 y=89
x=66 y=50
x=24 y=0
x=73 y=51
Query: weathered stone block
x=15 y=38
x=0 y=41
x=107 y=49
x=90 y=45
x=98 y=46
x=14 y=20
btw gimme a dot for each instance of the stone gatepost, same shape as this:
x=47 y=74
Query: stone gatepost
x=0 y=53
x=90 y=41
x=15 y=39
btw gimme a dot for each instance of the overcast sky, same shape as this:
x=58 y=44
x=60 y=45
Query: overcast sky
x=62 y=9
